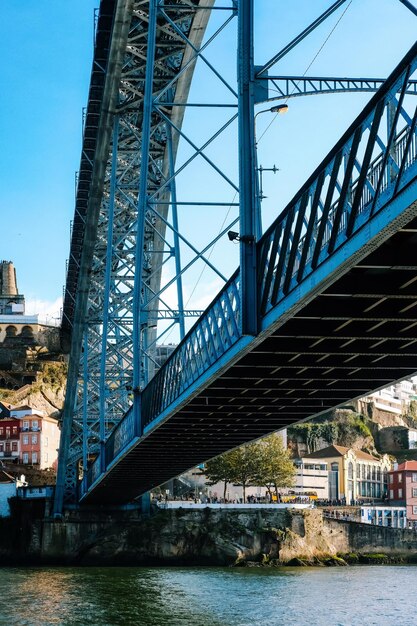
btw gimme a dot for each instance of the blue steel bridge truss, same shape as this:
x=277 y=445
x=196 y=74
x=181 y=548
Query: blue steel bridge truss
x=338 y=266
x=126 y=252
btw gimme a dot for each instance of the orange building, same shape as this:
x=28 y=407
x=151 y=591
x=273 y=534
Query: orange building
x=39 y=437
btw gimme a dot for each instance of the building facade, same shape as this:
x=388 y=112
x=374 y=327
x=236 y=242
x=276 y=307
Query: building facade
x=39 y=438
x=353 y=475
x=402 y=484
x=9 y=439
x=391 y=516
x=312 y=475
x=28 y=437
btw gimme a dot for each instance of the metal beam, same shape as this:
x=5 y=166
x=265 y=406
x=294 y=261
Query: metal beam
x=299 y=38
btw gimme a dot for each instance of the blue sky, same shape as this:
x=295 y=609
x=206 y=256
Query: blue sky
x=46 y=51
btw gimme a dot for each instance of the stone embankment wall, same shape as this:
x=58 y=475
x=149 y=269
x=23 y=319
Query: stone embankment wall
x=365 y=538
x=181 y=536
x=217 y=537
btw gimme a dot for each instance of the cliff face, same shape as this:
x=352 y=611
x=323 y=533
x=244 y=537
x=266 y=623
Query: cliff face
x=45 y=394
x=208 y=536
x=198 y=537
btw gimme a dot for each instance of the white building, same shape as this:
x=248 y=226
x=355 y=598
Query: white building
x=8 y=489
x=392 y=516
x=393 y=399
x=312 y=475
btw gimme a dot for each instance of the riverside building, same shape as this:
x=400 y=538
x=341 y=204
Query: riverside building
x=353 y=474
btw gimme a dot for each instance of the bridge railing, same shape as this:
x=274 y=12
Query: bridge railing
x=376 y=172
x=215 y=332
x=335 y=202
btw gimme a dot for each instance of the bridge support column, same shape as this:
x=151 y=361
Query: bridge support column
x=106 y=298
x=247 y=169
x=138 y=296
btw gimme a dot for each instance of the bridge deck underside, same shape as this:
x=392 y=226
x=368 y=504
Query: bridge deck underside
x=357 y=336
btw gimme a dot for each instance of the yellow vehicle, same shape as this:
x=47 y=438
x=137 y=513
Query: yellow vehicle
x=297 y=496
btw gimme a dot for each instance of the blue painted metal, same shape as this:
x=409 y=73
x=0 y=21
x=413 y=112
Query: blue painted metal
x=139 y=371
x=285 y=87
x=177 y=250
x=313 y=240
x=85 y=412
x=409 y=5
x=106 y=298
x=248 y=197
x=364 y=190
x=336 y=5
x=117 y=89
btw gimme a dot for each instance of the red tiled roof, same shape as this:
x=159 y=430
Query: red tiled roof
x=407 y=465
x=334 y=451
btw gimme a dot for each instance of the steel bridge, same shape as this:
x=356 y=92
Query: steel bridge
x=323 y=307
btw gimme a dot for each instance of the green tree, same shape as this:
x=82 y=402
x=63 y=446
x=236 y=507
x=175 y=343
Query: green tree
x=219 y=470
x=275 y=466
x=245 y=463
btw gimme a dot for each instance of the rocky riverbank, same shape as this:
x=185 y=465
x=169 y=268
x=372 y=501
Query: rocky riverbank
x=263 y=537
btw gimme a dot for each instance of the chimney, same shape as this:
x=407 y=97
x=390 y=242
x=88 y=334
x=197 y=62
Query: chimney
x=8 y=284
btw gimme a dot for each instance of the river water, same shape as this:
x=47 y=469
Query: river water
x=348 y=596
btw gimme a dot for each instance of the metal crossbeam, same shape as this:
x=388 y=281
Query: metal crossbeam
x=284 y=87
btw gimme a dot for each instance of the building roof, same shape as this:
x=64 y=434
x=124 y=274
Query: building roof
x=334 y=451
x=407 y=465
x=25 y=407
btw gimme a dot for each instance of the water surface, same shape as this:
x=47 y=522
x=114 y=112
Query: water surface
x=345 y=596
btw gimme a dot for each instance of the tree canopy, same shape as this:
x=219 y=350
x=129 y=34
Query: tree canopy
x=265 y=463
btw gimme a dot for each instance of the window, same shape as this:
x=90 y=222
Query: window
x=1 y=447
x=46 y=441
x=34 y=438
x=34 y=457
x=25 y=457
x=14 y=446
x=25 y=424
x=400 y=478
x=391 y=479
x=25 y=439
x=400 y=493
x=14 y=430
x=1 y=431
x=35 y=424
x=414 y=510
x=45 y=457
x=413 y=476
x=391 y=494
x=414 y=492
x=7 y=431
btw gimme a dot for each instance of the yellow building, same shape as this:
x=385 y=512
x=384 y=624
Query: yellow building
x=353 y=474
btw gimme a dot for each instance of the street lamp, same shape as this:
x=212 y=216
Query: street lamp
x=280 y=109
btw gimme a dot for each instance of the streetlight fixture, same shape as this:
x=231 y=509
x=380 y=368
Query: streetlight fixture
x=280 y=109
